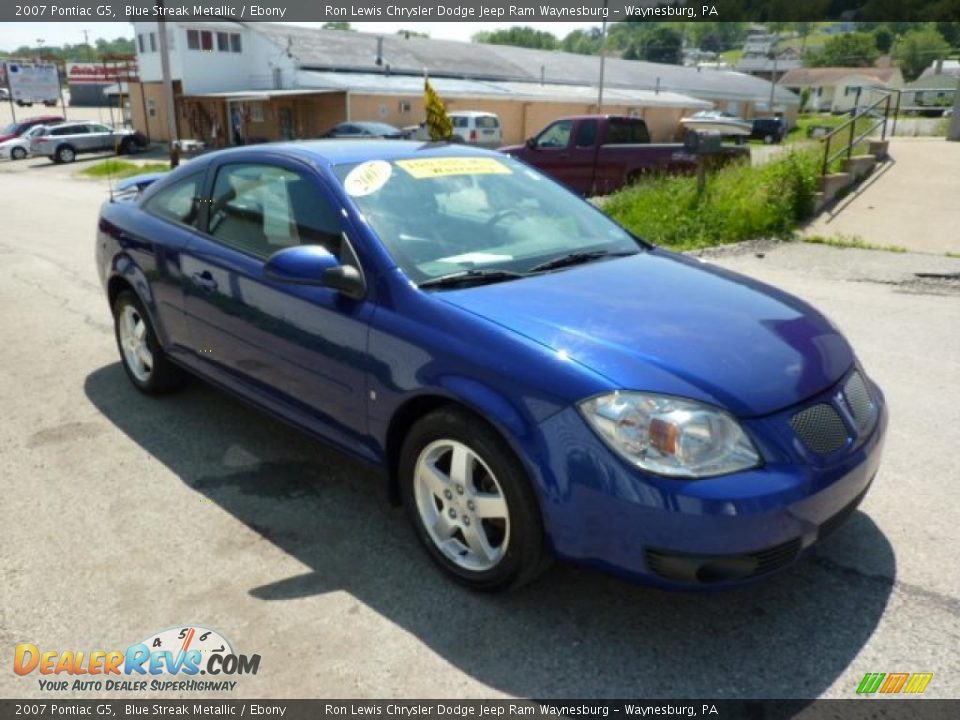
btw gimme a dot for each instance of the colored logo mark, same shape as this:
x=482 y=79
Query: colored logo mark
x=894 y=683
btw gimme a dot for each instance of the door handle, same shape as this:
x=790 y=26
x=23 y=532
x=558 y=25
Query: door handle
x=204 y=281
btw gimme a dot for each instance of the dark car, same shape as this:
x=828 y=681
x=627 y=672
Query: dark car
x=770 y=130
x=360 y=130
x=529 y=377
x=16 y=129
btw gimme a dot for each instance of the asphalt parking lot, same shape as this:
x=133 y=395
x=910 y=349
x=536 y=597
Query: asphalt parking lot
x=122 y=515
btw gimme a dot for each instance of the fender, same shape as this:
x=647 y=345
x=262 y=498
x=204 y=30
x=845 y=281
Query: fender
x=123 y=266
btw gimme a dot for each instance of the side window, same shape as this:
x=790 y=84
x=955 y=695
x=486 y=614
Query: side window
x=622 y=131
x=587 y=133
x=177 y=203
x=193 y=39
x=99 y=128
x=260 y=209
x=557 y=135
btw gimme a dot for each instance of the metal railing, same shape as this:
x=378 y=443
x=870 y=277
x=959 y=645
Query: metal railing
x=847 y=132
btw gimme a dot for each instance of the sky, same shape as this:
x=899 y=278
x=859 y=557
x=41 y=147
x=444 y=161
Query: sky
x=13 y=35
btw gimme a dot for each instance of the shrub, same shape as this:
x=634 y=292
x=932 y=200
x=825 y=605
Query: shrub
x=740 y=203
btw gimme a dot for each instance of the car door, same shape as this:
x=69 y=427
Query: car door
x=551 y=152
x=101 y=137
x=297 y=349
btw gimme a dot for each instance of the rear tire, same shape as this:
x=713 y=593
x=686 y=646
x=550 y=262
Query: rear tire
x=471 y=503
x=144 y=361
x=65 y=154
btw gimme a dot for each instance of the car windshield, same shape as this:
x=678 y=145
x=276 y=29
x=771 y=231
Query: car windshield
x=11 y=129
x=443 y=215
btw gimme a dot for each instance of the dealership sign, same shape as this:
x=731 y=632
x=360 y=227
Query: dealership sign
x=33 y=82
x=99 y=73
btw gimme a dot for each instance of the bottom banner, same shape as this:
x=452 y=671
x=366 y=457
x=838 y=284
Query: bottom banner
x=864 y=709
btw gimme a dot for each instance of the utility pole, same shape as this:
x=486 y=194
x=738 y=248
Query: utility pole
x=954 y=132
x=603 y=56
x=773 y=79
x=167 y=88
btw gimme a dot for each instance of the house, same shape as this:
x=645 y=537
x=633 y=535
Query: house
x=950 y=68
x=930 y=91
x=771 y=63
x=840 y=89
x=236 y=82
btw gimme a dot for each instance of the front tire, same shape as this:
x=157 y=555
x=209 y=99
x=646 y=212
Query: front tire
x=471 y=503
x=143 y=359
x=18 y=153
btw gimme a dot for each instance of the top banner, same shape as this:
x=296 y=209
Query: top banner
x=593 y=11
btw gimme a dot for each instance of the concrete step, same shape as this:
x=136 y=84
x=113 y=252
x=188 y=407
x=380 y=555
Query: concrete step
x=835 y=182
x=860 y=166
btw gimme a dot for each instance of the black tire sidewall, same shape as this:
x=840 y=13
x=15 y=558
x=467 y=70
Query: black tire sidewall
x=524 y=556
x=163 y=375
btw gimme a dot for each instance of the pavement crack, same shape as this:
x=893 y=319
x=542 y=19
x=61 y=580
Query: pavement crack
x=945 y=602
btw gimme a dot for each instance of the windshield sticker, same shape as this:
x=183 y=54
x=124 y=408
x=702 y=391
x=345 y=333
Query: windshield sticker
x=367 y=178
x=475 y=258
x=443 y=167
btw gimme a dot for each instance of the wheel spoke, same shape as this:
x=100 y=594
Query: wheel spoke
x=428 y=474
x=140 y=330
x=461 y=465
x=477 y=541
x=129 y=325
x=443 y=527
x=145 y=356
x=488 y=505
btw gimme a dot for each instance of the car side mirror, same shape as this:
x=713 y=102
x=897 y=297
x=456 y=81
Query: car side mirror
x=300 y=265
x=531 y=143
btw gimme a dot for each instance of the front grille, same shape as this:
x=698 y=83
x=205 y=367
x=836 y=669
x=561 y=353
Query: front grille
x=820 y=428
x=720 y=568
x=859 y=400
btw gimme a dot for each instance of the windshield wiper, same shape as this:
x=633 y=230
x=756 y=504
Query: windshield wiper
x=470 y=277
x=577 y=258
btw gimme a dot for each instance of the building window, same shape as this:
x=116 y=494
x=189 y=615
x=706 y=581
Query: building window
x=152 y=108
x=153 y=42
x=223 y=42
x=235 y=45
x=140 y=42
x=206 y=41
x=193 y=39
x=256 y=112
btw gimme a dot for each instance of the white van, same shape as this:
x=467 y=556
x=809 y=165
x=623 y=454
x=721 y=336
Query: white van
x=477 y=128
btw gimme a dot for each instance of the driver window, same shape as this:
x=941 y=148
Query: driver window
x=260 y=209
x=556 y=136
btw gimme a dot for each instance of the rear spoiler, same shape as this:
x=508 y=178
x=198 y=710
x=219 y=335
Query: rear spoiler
x=137 y=183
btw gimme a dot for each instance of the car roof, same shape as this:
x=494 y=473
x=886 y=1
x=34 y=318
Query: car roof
x=342 y=152
x=471 y=113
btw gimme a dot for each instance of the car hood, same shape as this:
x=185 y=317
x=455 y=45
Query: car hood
x=6 y=136
x=666 y=323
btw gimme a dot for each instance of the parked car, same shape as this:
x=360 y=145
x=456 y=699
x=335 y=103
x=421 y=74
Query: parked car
x=357 y=130
x=531 y=379
x=770 y=130
x=597 y=154
x=15 y=129
x=18 y=148
x=477 y=128
x=64 y=142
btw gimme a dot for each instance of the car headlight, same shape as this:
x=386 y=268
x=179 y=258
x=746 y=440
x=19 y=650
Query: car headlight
x=671 y=436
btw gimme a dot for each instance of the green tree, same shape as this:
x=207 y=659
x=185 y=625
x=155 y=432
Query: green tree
x=883 y=37
x=439 y=124
x=520 y=37
x=918 y=49
x=662 y=45
x=336 y=26
x=582 y=42
x=857 y=49
x=950 y=32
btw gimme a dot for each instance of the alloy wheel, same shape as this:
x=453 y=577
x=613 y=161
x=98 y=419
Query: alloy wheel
x=133 y=341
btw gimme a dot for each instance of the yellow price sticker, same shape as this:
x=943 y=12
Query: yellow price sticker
x=443 y=167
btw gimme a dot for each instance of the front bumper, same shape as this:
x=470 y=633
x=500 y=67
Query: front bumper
x=601 y=511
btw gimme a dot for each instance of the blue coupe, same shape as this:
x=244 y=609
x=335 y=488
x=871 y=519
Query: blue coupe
x=533 y=380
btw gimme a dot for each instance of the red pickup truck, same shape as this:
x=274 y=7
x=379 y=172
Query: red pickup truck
x=597 y=154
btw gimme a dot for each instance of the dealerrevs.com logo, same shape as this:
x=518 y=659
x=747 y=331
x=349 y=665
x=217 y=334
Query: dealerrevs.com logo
x=169 y=660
